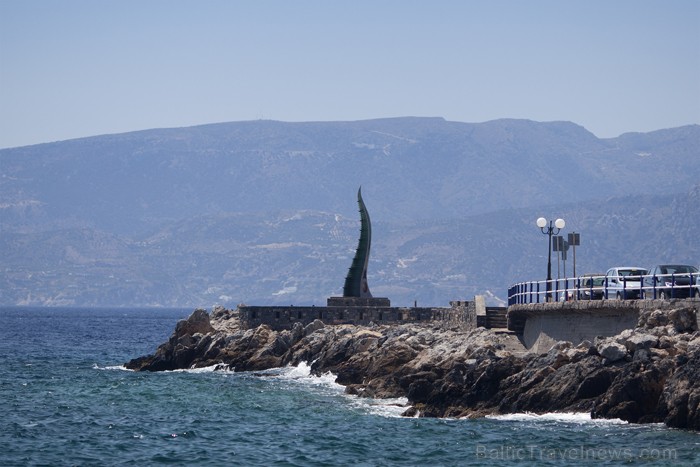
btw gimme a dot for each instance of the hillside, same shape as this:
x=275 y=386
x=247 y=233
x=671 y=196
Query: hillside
x=265 y=212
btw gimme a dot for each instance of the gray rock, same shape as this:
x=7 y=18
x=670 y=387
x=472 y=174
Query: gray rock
x=198 y=322
x=642 y=355
x=683 y=319
x=313 y=326
x=640 y=341
x=297 y=332
x=611 y=350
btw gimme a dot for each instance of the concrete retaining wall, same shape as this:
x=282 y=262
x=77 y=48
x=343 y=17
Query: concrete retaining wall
x=548 y=323
x=541 y=332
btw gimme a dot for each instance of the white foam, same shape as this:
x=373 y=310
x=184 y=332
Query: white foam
x=95 y=366
x=218 y=367
x=568 y=417
x=302 y=373
x=302 y=370
x=389 y=408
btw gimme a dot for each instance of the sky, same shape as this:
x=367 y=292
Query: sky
x=75 y=68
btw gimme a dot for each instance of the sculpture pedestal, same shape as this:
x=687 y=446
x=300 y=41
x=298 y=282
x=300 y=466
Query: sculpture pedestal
x=358 y=302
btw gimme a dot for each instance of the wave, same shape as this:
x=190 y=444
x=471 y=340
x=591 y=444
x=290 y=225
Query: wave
x=301 y=374
x=218 y=367
x=389 y=408
x=95 y=366
x=581 y=418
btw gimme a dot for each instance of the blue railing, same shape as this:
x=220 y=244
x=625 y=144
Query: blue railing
x=606 y=287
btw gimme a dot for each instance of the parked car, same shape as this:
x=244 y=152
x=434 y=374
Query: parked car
x=589 y=287
x=670 y=281
x=624 y=283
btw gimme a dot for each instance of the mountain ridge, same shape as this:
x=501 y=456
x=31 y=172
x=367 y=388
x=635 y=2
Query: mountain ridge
x=136 y=212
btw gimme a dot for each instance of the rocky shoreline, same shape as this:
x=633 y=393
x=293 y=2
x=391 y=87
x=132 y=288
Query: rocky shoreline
x=648 y=374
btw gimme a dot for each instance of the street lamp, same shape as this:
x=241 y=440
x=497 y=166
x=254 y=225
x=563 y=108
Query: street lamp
x=549 y=231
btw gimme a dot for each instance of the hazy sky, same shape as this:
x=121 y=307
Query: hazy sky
x=72 y=68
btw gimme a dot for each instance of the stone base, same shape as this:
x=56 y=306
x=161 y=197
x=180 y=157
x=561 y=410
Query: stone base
x=358 y=302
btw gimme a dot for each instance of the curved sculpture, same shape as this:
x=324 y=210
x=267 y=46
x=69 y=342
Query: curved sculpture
x=356 y=280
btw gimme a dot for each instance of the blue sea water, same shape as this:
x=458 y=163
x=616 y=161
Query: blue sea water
x=65 y=399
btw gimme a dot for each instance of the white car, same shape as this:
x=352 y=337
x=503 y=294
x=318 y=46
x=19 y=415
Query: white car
x=624 y=283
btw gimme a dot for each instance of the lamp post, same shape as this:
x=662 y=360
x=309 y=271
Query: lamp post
x=549 y=231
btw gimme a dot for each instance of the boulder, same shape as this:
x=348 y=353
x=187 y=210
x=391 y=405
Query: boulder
x=639 y=341
x=198 y=322
x=611 y=350
x=683 y=319
x=313 y=326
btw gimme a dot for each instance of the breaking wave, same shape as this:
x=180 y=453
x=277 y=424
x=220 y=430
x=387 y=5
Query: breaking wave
x=580 y=418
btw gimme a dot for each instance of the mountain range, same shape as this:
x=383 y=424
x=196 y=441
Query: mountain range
x=265 y=212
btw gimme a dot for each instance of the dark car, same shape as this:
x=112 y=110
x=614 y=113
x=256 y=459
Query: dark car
x=670 y=281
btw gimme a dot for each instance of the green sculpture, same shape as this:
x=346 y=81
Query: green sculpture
x=356 y=280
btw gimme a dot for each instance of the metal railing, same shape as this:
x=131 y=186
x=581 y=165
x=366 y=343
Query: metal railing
x=686 y=285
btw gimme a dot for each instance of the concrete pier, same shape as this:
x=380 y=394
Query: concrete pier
x=541 y=325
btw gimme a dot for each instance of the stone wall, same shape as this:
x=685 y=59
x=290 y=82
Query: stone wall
x=461 y=314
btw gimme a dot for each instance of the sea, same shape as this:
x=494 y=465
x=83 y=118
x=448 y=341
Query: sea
x=66 y=399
